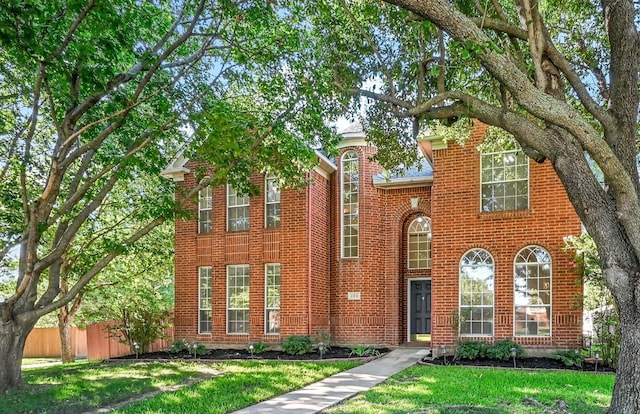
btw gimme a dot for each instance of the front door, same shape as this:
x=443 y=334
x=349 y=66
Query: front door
x=420 y=310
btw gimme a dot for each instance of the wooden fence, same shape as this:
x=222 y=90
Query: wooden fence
x=92 y=343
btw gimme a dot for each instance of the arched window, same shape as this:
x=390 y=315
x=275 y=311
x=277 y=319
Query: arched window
x=532 y=292
x=419 y=244
x=476 y=293
x=349 y=200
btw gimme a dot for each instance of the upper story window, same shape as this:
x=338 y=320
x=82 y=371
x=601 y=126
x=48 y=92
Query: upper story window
x=504 y=181
x=532 y=292
x=349 y=204
x=419 y=244
x=204 y=210
x=271 y=203
x=237 y=210
x=476 y=293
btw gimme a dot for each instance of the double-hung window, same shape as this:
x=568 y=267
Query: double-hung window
x=476 y=293
x=237 y=210
x=271 y=203
x=272 y=298
x=238 y=299
x=204 y=300
x=204 y=210
x=532 y=292
x=504 y=181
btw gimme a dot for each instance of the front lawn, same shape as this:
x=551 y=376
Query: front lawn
x=87 y=386
x=464 y=390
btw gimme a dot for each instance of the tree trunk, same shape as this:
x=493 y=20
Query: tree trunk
x=65 y=319
x=13 y=337
x=626 y=392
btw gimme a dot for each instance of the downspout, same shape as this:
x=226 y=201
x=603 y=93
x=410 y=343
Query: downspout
x=309 y=314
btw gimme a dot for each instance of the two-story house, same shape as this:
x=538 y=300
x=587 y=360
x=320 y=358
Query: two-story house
x=469 y=245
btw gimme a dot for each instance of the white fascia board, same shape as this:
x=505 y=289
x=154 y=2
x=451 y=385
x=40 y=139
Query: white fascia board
x=404 y=183
x=325 y=167
x=176 y=170
x=437 y=141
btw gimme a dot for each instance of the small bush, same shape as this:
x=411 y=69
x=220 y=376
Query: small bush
x=180 y=346
x=363 y=351
x=322 y=337
x=259 y=348
x=297 y=345
x=501 y=350
x=569 y=358
x=471 y=350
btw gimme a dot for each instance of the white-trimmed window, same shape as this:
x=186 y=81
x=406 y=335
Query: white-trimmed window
x=204 y=299
x=532 y=292
x=271 y=202
x=476 y=293
x=272 y=298
x=419 y=244
x=349 y=182
x=204 y=210
x=504 y=181
x=237 y=210
x=238 y=299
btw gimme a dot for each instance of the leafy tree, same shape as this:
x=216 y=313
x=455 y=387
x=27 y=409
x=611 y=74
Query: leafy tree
x=97 y=94
x=561 y=77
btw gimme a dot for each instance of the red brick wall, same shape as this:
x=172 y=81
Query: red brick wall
x=459 y=226
x=286 y=245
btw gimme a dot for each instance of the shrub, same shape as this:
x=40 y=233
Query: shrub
x=364 y=351
x=180 y=346
x=501 y=350
x=471 y=350
x=297 y=345
x=323 y=337
x=259 y=348
x=569 y=358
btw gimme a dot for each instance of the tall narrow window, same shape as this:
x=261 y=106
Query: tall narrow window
x=532 y=292
x=476 y=293
x=504 y=181
x=419 y=244
x=272 y=299
x=237 y=210
x=204 y=210
x=272 y=203
x=204 y=300
x=238 y=299
x=350 y=195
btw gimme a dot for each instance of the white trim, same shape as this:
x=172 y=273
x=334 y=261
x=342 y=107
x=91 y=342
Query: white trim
x=354 y=139
x=437 y=141
x=248 y=205
x=429 y=239
x=266 y=294
x=528 y=180
x=226 y=305
x=513 y=288
x=325 y=166
x=409 y=305
x=267 y=203
x=200 y=299
x=493 y=306
x=406 y=182
x=176 y=170
x=341 y=195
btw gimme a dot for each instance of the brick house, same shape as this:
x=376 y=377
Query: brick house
x=470 y=240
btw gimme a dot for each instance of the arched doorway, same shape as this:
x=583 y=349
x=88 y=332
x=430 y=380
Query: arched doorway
x=416 y=270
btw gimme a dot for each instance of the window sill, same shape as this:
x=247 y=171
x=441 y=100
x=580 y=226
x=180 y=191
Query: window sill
x=505 y=214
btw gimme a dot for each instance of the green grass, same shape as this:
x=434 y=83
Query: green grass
x=87 y=386
x=243 y=384
x=464 y=390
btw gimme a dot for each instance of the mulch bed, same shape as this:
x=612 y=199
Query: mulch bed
x=527 y=363
x=335 y=352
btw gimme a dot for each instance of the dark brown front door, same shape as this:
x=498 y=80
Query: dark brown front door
x=420 y=310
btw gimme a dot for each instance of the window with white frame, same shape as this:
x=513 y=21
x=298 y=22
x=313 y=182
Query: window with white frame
x=237 y=210
x=272 y=298
x=532 y=292
x=476 y=293
x=204 y=210
x=271 y=203
x=238 y=299
x=419 y=244
x=504 y=181
x=204 y=299
x=349 y=200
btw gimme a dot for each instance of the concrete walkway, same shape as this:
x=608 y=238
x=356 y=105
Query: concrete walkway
x=330 y=391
